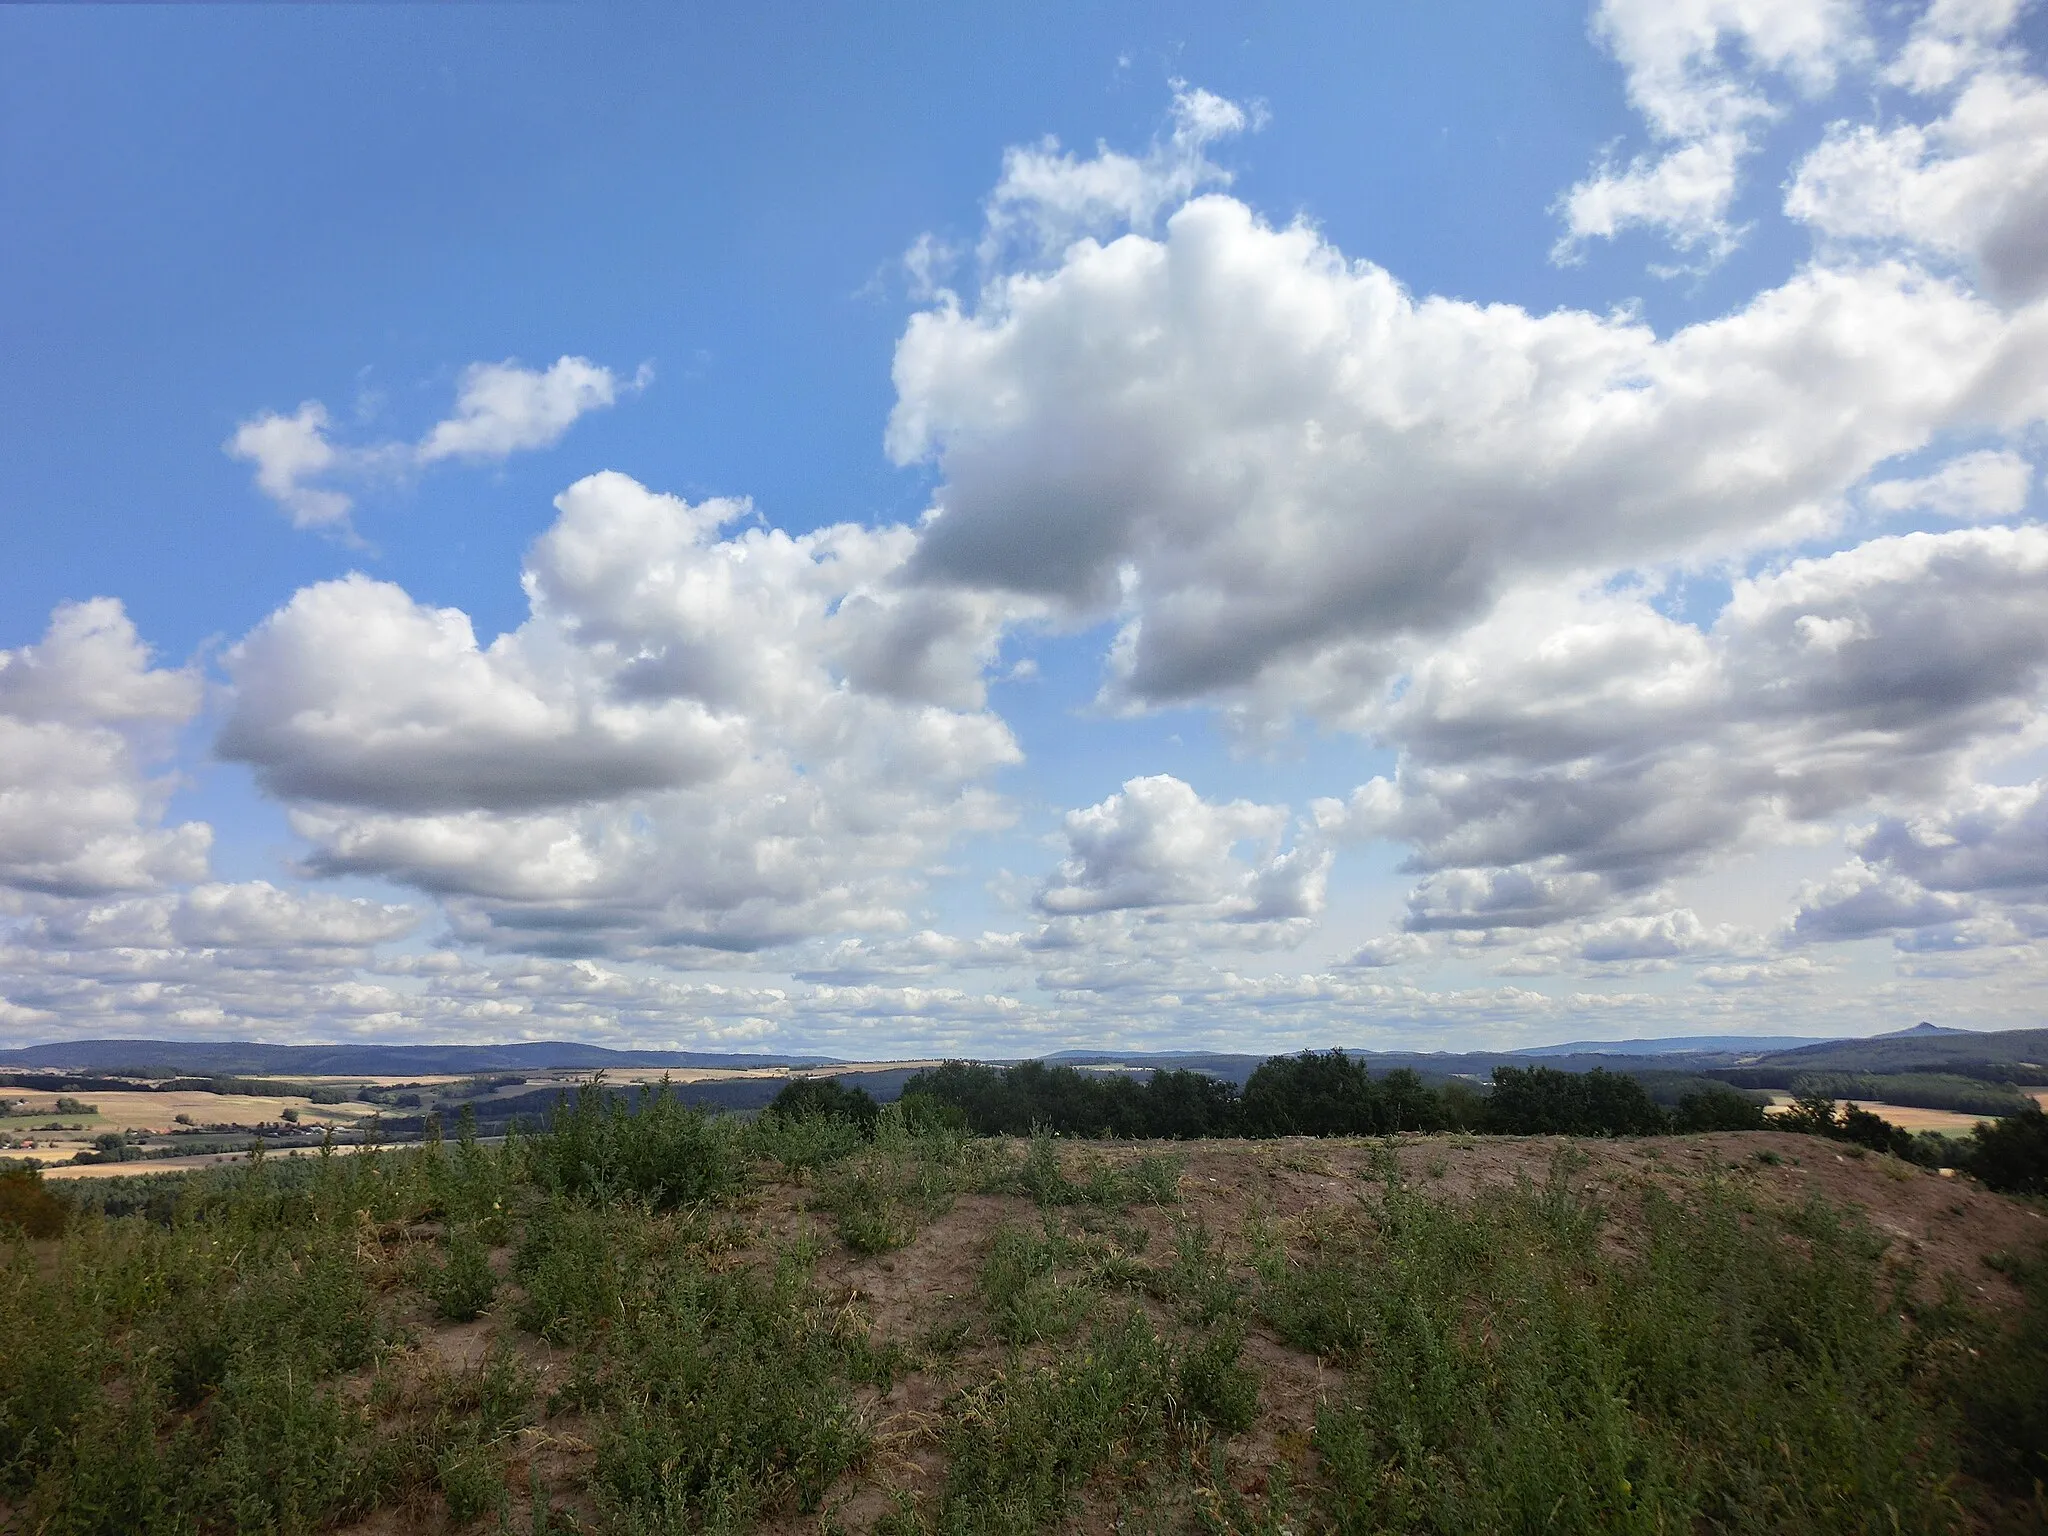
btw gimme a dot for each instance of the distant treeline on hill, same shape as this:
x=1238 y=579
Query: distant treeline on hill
x=1313 y=1094
x=1332 y=1094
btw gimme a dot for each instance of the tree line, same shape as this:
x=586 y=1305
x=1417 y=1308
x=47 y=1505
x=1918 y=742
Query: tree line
x=1315 y=1093
x=1328 y=1093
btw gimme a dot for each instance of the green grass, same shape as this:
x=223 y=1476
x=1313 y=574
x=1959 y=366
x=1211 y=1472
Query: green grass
x=1044 y=1176
x=240 y=1350
x=881 y=1199
x=1512 y=1373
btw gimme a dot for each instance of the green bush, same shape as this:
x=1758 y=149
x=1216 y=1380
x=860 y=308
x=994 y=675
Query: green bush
x=1027 y=1297
x=803 y=1143
x=462 y=1286
x=1214 y=1386
x=1544 y=1101
x=575 y=1267
x=825 y=1098
x=27 y=1208
x=1511 y=1372
x=729 y=1396
x=1019 y=1446
x=660 y=1150
x=882 y=1199
x=1720 y=1109
x=2011 y=1154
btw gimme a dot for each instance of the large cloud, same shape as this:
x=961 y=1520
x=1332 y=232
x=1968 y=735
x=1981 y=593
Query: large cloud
x=1969 y=872
x=1543 y=779
x=1277 y=464
x=696 y=741
x=82 y=716
x=1156 y=844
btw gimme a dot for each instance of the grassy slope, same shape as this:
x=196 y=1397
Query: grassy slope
x=794 y=1333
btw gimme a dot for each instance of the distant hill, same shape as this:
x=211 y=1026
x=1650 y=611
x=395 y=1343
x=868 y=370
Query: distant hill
x=1681 y=1045
x=740 y=1094
x=204 y=1058
x=1926 y=1048
x=2010 y=1056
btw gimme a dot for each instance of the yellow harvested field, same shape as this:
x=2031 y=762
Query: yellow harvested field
x=1904 y=1116
x=1924 y=1119
x=158 y=1111
x=167 y=1164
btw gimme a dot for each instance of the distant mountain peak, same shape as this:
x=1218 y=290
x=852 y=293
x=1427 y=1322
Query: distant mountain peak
x=1922 y=1028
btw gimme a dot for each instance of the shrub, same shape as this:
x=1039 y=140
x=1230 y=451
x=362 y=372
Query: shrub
x=1720 y=1109
x=1512 y=1373
x=730 y=1396
x=1028 y=1299
x=2011 y=1154
x=662 y=1151
x=1214 y=1386
x=883 y=1198
x=1544 y=1101
x=463 y=1286
x=1313 y=1094
x=27 y=1208
x=825 y=1098
x=1017 y=1447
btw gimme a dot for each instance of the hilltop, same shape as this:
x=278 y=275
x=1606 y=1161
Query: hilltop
x=666 y=1323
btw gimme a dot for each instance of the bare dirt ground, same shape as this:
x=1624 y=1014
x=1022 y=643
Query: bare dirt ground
x=1936 y=1227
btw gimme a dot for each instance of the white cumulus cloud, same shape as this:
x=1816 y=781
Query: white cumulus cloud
x=1700 y=72
x=1279 y=466
x=83 y=717
x=1157 y=844
x=1985 y=486
x=696 y=742
x=1970 y=187
x=500 y=409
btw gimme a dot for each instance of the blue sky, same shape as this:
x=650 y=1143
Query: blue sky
x=1408 y=525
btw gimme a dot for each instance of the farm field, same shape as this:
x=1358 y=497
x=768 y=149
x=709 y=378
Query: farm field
x=154 y=1165
x=150 y=1118
x=159 y=1111
x=669 y=1323
x=154 y=1114
x=1905 y=1116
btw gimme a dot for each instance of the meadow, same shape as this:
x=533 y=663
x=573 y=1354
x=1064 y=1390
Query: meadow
x=668 y=1322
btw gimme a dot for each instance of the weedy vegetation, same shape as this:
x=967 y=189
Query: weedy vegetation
x=644 y=1319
